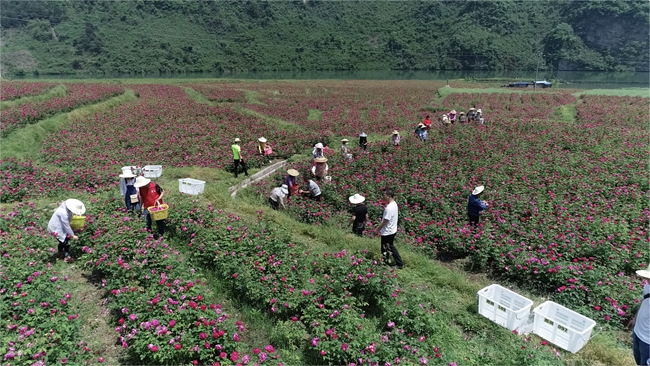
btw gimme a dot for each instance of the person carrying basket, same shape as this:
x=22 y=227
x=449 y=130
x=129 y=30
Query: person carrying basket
x=151 y=195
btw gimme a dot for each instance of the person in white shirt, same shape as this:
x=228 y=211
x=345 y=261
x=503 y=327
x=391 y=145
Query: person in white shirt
x=59 y=225
x=313 y=190
x=277 y=196
x=388 y=229
x=641 y=324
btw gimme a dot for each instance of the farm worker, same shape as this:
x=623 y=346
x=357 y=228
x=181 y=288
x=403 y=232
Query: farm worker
x=462 y=117
x=238 y=157
x=277 y=196
x=318 y=151
x=452 y=116
x=471 y=114
x=421 y=132
x=359 y=214
x=59 y=225
x=474 y=205
x=313 y=190
x=320 y=168
x=396 y=138
x=445 y=119
x=388 y=229
x=263 y=148
x=641 y=323
x=427 y=122
x=127 y=189
x=291 y=181
x=479 y=116
x=151 y=195
x=363 y=140
x=344 y=146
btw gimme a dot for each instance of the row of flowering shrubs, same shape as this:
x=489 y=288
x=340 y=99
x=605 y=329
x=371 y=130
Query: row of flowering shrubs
x=347 y=307
x=24 y=179
x=18 y=116
x=10 y=90
x=166 y=127
x=222 y=92
x=40 y=325
x=568 y=211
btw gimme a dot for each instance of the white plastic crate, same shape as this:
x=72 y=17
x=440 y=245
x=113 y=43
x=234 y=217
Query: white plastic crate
x=191 y=186
x=563 y=327
x=152 y=171
x=504 y=307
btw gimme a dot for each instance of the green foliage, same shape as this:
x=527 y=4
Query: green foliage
x=186 y=36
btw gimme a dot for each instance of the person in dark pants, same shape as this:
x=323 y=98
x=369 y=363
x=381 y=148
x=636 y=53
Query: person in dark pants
x=59 y=225
x=363 y=140
x=313 y=190
x=278 y=194
x=238 y=158
x=641 y=324
x=388 y=229
x=151 y=195
x=359 y=214
x=474 y=205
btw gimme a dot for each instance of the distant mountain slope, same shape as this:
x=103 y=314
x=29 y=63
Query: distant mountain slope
x=89 y=36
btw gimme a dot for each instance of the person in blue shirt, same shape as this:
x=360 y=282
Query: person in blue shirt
x=475 y=205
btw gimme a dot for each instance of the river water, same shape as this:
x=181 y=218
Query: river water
x=570 y=79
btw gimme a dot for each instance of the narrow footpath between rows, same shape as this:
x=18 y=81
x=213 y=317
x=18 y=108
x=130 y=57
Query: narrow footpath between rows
x=256 y=177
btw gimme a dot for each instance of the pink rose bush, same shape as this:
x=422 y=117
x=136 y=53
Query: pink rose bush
x=10 y=90
x=78 y=94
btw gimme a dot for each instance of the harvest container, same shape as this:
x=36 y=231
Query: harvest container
x=158 y=213
x=191 y=186
x=152 y=171
x=504 y=307
x=563 y=327
x=78 y=223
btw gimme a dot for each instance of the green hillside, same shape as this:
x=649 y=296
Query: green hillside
x=89 y=36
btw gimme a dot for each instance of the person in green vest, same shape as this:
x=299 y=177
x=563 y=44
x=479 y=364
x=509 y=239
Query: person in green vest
x=238 y=158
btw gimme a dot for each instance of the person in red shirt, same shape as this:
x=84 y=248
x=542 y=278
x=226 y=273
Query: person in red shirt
x=150 y=194
x=427 y=122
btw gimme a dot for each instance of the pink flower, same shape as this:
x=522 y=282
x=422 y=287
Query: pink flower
x=344 y=346
x=314 y=342
x=153 y=348
x=234 y=356
x=269 y=349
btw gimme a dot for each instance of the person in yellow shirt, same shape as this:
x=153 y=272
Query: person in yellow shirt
x=238 y=157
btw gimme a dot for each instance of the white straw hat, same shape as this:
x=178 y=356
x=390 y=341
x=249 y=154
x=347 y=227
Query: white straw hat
x=285 y=189
x=318 y=145
x=237 y=139
x=261 y=139
x=127 y=173
x=141 y=182
x=479 y=110
x=395 y=132
x=320 y=160
x=478 y=190
x=293 y=172
x=357 y=198
x=453 y=111
x=644 y=272
x=344 y=140
x=75 y=206
x=363 y=134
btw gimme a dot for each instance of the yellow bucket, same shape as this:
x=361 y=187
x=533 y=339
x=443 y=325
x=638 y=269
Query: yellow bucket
x=78 y=222
x=161 y=213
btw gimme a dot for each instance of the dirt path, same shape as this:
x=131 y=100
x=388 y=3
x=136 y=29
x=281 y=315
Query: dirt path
x=256 y=177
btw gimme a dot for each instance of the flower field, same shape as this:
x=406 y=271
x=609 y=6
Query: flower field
x=11 y=90
x=78 y=94
x=567 y=220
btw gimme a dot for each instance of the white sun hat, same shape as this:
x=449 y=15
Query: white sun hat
x=318 y=145
x=644 y=272
x=357 y=198
x=320 y=160
x=127 y=173
x=363 y=134
x=237 y=139
x=75 y=206
x=141 y=182
x=285 y=189
x=261 y=139
x=293 y=172
x=395 y=132
x=453 y=111
x=344 y=140
x=478 y=190
x=479 y=110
